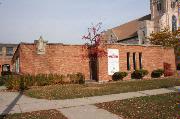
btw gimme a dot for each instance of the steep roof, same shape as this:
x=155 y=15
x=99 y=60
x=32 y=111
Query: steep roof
x=129 y=30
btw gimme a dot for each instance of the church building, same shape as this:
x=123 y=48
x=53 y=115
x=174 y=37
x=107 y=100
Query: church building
x=164 y=14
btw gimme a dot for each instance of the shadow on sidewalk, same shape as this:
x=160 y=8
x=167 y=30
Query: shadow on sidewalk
x=173 y=89
x=11 y=105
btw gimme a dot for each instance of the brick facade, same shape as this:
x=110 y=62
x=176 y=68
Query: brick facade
x=153 y=57
x=66 y=59
x=58 y=59
x=6 y=58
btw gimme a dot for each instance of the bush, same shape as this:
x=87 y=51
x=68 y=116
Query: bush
x=139 y=74
x=77 y=78
x=178 y=66
x=119 y=76
x=22 y=82
x=57 y=79
x=13 y=82
x=81 y=78
x=42 y=80
x=157 y=73
x=71 y=78
x=2 y=81
x=5 y=73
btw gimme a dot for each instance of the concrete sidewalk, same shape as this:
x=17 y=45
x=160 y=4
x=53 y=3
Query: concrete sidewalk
x=14 y=102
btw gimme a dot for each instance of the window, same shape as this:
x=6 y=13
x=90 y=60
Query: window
x=159 y=5
x=128 y=61
x=140 y=60
x=144 y=35
x=1 y=51
x=134 y=61
x=9 y=51
x=173 y=4
x=174 y=23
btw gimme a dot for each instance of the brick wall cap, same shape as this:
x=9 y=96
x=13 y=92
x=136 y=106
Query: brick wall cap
x=53 y=44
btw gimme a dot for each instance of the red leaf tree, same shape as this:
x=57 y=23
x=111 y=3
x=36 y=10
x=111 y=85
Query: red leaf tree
x=93 y=41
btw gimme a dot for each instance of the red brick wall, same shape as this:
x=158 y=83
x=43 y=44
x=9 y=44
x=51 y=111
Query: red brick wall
x=152 y=58
x=60 y=59
x=66 y=59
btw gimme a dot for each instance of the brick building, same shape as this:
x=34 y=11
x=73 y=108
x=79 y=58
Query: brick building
x=6 y=54
x=43 y=57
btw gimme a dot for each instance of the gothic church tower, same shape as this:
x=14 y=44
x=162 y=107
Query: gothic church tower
x=164 y=13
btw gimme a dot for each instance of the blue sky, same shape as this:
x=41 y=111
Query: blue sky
x=63 y=21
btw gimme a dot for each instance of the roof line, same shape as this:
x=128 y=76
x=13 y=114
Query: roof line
x=114 y=34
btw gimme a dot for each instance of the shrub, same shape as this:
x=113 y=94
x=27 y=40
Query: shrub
x=77 y=78
x=81 y=78
x=57 y=79
x=71 y=78
x=178 y=66
x=22 y=82
x=12 y=82
x=5 y=73
x=2 y=81
x=139 y=74
x=157 y=73
x=119 y=76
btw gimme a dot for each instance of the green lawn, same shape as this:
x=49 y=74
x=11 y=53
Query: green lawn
x=48 y=114
x=152 y=107
x=87 y=90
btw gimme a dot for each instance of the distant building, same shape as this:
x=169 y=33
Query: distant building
x=164 y=13
x=6 y=54
x=126 y=33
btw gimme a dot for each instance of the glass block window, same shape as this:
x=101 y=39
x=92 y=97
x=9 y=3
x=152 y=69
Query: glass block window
x=140 y=60
x=134 y=61
x=128 y=61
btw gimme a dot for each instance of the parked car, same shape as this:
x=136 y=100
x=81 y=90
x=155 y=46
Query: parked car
x=5 y=70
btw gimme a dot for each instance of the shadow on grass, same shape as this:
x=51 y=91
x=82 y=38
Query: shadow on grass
x=11 y=105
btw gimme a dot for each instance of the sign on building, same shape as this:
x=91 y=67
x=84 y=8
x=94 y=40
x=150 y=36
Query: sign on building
x=113 y=61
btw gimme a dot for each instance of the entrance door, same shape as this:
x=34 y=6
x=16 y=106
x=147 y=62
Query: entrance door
x=93 y=68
